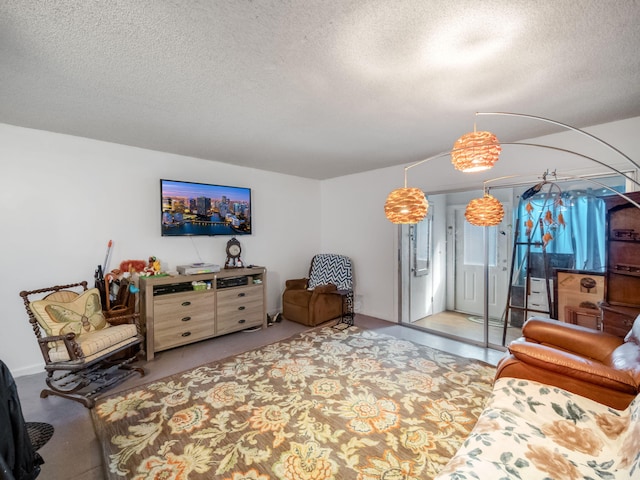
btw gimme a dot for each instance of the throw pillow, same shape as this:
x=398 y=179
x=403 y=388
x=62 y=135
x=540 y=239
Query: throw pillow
x=81 y=315
x=330 y=268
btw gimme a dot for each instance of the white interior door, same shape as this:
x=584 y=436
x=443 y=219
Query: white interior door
x=468 y=264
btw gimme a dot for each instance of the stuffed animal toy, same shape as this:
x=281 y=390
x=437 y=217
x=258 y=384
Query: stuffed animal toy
x=153 y=268
x=132 y=266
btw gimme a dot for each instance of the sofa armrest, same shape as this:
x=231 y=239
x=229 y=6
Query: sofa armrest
x=573 y=366
x=330 y=287
x=296 y=284
x=571 y=338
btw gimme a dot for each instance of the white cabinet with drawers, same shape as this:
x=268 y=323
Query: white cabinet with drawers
x=538 y=297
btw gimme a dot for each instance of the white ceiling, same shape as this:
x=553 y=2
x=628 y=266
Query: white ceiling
x=314 y=88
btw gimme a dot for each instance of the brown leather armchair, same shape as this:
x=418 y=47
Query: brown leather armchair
x=588 y=362
x=315 y=300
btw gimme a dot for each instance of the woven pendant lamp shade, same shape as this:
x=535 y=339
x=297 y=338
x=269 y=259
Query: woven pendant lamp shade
x=475 y=151
x=406 y=205
x=484 y=212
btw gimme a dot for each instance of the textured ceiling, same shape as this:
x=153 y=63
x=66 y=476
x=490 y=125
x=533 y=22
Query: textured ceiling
x=314 y=88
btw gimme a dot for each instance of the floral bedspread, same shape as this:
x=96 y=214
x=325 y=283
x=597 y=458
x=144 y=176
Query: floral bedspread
x=530 y=431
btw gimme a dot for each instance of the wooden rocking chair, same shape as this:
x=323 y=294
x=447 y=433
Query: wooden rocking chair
x=84 y=351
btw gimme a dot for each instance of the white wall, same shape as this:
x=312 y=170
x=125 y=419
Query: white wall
x=353 y=224
x=63 y=198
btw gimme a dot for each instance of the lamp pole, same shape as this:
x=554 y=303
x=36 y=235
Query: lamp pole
x=569 y=127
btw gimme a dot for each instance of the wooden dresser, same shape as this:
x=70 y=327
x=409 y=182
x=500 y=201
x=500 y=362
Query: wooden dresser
x=176 y=312
x=621 y=303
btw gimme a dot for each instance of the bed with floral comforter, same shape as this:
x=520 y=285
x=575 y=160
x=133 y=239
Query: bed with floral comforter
x=530 y=431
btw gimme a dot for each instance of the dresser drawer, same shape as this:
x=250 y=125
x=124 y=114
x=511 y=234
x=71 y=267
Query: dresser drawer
x=541 y=306
x=181 y=333
x=239 y=308
x=176 y=307
x=538 y=290
x=617 y=321
x=183 y=318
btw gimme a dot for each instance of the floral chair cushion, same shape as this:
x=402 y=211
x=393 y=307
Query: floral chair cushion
x=97 y=344
x=530 y=431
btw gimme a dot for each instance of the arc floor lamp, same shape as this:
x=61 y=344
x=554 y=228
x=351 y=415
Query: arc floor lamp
x=474 y=152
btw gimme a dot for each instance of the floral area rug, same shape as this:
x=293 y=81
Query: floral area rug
x=325 y=404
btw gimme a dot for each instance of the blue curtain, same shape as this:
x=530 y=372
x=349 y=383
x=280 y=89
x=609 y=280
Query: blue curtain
x=570 y=223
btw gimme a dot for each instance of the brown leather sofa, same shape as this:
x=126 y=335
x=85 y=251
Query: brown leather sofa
x=588 y=362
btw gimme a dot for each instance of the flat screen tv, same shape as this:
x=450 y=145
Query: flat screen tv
x=190 y=208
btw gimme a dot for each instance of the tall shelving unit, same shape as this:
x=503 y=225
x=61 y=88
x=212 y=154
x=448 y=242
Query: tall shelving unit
x=621 y=303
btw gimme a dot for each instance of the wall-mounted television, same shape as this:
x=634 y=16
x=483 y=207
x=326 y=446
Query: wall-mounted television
x=190 y=208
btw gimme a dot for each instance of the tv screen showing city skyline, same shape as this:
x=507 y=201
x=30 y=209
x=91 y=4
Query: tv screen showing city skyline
x=191 y=208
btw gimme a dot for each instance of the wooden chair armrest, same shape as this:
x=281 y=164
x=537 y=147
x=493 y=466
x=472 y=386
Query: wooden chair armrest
x=69 y=340
x=130 y=318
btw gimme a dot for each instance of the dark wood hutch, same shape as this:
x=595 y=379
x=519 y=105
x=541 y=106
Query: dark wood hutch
x=621 y=303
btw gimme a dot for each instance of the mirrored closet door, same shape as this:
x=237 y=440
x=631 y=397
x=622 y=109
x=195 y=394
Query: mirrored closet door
x=447 y=262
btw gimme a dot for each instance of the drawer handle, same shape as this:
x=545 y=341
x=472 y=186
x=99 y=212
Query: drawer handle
x=186 y=304
x=242 y=294
x=186 y=319
x=186 y=334
x=241 y=308
x=241 y=321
